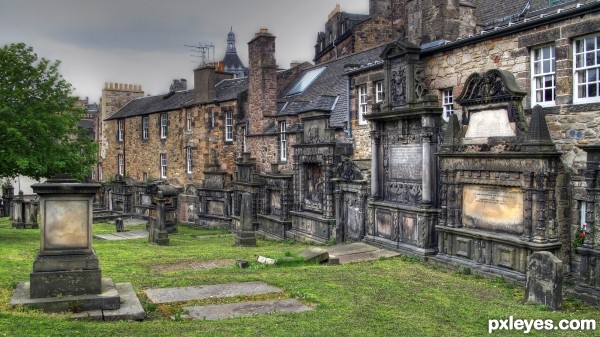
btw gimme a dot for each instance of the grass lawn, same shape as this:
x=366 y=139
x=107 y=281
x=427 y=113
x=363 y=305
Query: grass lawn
x=388 y=297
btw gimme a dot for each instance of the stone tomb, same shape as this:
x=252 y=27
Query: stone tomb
x=402 y=209
x=499 y=181
x=66 y=269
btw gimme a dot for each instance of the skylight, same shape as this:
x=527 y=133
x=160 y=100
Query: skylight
x=307 y=79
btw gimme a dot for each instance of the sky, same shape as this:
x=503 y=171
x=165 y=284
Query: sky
x=143 y=41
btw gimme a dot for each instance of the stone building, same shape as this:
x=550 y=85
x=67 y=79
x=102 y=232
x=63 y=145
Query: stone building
x=410 y=123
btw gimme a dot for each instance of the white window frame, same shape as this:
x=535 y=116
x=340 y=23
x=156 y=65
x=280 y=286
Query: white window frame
x=245 y=140
x=121 y=164
x=586 y=76
x=379 y=91
x=188 y=120
x=282 y=141
x=145 y=127
x=163 y=165
x=164 y=125
x=543 y=75
x=228 y=125
x=188 y=160
x=120 y=129
x=447 y=103
x=362 y=104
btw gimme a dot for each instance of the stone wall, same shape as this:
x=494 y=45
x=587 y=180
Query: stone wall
x=142 y=157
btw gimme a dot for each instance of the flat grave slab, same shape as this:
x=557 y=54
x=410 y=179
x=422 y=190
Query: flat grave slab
x=192 y=265
x=130 y=309
x=356 y=252
x=169 y=295
x=222 y=311
x=137 y=234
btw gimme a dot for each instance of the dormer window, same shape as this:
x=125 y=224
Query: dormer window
x=305 y=81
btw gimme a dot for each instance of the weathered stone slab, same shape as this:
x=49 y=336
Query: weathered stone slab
x=314 y=254
x=215 y=312
x=192 y=265
x=357 y=252
x=169 y=295
x=137 y=234
x=495 y=208
x=367 y=256
x=544 y=280
x=130 y=309
x=107 y=299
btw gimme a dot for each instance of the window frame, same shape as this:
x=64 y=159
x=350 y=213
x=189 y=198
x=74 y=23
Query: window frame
x=120 y=130
x=379 y=92
x=163 y=165
x=577 y=70
x=145 y=127
x=447 y=103
x=282 y=141
x=121 y=164
x=543 y=75
x=362 y=104
x=228 y=125
x=188 y=160
x=188 y=120
x=164 y=125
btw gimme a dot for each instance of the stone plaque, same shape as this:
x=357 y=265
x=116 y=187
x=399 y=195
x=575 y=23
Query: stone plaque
x=406 y=161
x=384 y=223
x=215 y=208
x=489 y=123
x=494 y=208
x=146 y=200
x=275 y=203
x=66 y=224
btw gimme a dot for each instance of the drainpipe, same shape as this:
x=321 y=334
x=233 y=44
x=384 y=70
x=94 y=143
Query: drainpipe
x=349 y=125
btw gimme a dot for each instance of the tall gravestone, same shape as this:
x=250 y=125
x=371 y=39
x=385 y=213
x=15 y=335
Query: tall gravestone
x=403 y=207
x=245 y=235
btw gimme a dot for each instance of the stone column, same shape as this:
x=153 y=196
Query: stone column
x=427 y=165
x=375 y=165
x=246 y=236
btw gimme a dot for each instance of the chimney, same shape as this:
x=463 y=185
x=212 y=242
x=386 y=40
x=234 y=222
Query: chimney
x=262 y=80
x=204 y=83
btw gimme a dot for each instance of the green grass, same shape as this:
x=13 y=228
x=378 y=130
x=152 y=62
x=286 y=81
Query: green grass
x=387 y=297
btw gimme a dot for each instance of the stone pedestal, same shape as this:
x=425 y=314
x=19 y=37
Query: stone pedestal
x=158 y=233
x=245 y=236
x=66 y=270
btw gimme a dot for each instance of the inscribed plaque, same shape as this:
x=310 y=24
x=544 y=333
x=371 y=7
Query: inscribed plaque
x=495 y=208
x=406 y=161
x=66 y=224
x=489 y=123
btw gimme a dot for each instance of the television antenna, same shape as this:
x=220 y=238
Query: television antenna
x=204 y=51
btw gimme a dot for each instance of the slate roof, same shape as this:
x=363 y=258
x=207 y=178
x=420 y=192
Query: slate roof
x=153 y=104
x=226 y=90
x=232 y=61
x=324 y=91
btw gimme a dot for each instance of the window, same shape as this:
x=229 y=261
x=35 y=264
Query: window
x=447 y=103
x=211 y=118
x=164 y=126
x=379 y=92
x=188 y=159
x=586 y=59
x=145 y=127
x=121 y=129
x=244 y=140
x=228 y=125
x=305 y=81
x=188 y=120
x=362 y=104
x=282 y=141
x=121 y=164
x=543 y=86
x=163 y=165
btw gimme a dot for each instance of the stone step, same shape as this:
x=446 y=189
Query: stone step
x=181 y=294
x=221 y=311
x=130 y=309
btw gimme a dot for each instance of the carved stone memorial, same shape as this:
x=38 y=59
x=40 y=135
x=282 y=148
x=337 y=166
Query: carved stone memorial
x=499 y=181
x=403 y=208
x=544 y=280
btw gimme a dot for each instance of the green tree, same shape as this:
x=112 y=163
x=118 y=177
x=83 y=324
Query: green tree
x=39 y=134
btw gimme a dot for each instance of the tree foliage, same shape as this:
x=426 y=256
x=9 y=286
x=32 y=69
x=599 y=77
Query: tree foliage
x=39 y=134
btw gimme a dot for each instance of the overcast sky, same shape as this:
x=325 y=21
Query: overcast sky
x=142 y=41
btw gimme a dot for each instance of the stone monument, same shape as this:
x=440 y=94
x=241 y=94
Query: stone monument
x=158 y=233
x=544 y=280
x=66 y=269
x=245 y=236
